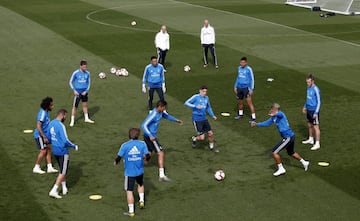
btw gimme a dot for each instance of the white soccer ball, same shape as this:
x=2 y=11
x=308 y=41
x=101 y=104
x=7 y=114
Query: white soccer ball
x=187 y=68
x=124 y=72
x=112 y=70
x=102 y=75
x=219 y=175
x=133 y=23
x=118 y=72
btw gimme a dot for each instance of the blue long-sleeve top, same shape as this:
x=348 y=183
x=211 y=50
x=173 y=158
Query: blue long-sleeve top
x=151 y=123
x=80 y=81
x=245 y=78
x=203 y=101
x=154 y=75
x=281 y=122
x=58 y=138
x=313 y=99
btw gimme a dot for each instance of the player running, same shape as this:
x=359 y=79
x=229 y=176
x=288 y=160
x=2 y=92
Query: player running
x=244 y=88
x=42 y=123
x=312 y=110
x=155 y=77
x=80 y=84
x=288 y=138
x=200 y=104
x=60 y=143
x=134 y=152
x=150 y=127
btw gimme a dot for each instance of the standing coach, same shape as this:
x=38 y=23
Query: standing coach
x=207 y=37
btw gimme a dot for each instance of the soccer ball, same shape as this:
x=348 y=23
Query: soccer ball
x=124 y=72
x=219 y=175
x=102 y=75
x=118 y=72
x=133 y=23
x=112 y=70
x=187 y=68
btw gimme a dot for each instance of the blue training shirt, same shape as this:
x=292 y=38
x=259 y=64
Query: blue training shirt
x=151 y=123
x=198 y=100
x=43 y=117
x=80 y=81
x=281 y=122
x=58 y=138
x=313 y=99
x=133 y=152
x=245 y=78
x=154 y=75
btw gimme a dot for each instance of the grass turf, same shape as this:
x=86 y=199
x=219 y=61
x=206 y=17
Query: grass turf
x=43 y=48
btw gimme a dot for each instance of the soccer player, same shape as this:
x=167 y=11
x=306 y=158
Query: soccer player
x=162 y=44
x=80 y=84
x=150 y=127
x=288 y=138
x=207 y=37
x=244 y=88
x=312 y=110
x=200 y=104
x=60 y=143
x=134 y=152
x=154 y=76
x=42 y=123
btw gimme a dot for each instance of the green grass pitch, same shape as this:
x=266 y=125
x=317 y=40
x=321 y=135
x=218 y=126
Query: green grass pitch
x=42 y=42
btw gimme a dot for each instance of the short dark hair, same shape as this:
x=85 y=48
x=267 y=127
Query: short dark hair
x=134 y=133
x=62 y=111
x=310 y=77
x=46 y=102
x=202 y=87
x=243 y=59
x=161 y=103
x=83 y=62
x=153 y=57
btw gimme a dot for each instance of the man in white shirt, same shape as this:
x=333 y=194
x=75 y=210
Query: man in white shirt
x=162 y=44
x=207 y=37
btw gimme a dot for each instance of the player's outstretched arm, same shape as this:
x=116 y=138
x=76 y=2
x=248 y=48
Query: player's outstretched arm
x=117 y=160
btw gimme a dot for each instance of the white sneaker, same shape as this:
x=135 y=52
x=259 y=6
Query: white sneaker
x=38 y=170
x=89 y=121
x=52 y=170
x=65 y=191
x=72 y=124
x=306 y=165
x=315 y=147
x=279 y=172
x=308 y=141
x=55 y=195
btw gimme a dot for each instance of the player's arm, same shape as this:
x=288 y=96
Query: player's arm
x=117 y=160
x=264 y=123
x=235 y=85
x=88 y=84
x=210 y=111
x=64 y=137
x=190 y=102
x=318 y=100
x=252 y=80
x=144 y=80
x=41 y=132
x=146 y=123
x=171 y=118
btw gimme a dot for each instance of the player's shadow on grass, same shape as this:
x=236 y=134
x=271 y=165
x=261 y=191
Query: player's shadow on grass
x=75 y=172
x=92 y=112
x=304 y=131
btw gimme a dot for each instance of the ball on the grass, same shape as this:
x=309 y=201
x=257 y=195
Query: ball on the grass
x=124 y=72
x=133 y=23
x=102 y=75
x=112 y=70
x=219 y=175
x=187 y=68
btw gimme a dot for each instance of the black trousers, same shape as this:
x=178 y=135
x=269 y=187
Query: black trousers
x=206 y=48
x=161 y=56
x=159 y=91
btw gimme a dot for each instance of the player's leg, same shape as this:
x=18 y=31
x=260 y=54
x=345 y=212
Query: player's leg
x=309 y=117
x=158 y=51
x=42 y=153
x=74 y=108
x=213 y=53
x=205 y=54
x=291 y=152
x=163 y=57
x=275 y=154
x=199 y=133
x=207 y=129
x=161 y=161
x=240 y=98
x=160 y=93
x=129 y=183
x=316 y=128
x=141 y=190
x=50 y=168
x=84 y=99
x=151 y=97
x=251 y=106
x=63 y=162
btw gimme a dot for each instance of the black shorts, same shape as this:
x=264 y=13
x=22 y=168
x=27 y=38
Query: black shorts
x=242 y=93
x=153 y=145
x=80 y=97
x=40 y=143
x=129 y=182
x=202 y=127
x=287 y=143
x=310 y=119
x=63 y=162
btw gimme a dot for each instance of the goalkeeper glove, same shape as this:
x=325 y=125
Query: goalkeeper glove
x=163 y=88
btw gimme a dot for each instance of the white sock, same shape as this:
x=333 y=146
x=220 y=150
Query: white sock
x=131 y=208
x=302 y=161
x=211 y=145
x=311 y=138
x=141 y=196
x=317 y=143
x=86 y=116
x=280 y=166
x=72 y=118
x=49 y=165
x=37 y=166
x=253 y=116
x=241 y=112
x=55 y=187
x=161 y=172
x=63 y=184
